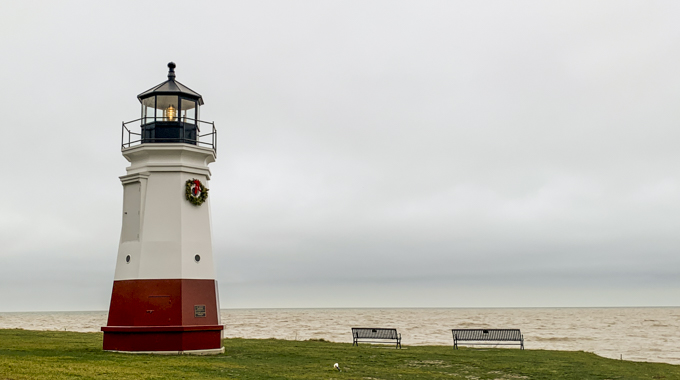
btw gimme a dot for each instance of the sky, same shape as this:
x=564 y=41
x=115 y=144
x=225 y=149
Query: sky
x=371 y=153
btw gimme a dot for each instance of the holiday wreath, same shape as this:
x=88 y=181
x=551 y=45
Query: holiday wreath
x=195 y=192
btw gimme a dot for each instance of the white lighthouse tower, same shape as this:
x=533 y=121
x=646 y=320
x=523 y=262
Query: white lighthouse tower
x=165 y=296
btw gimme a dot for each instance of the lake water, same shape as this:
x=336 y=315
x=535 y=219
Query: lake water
x=640 y=334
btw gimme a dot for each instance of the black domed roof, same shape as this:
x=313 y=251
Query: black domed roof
x=171 y=87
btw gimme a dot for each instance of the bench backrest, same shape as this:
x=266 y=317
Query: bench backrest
x=487 y=334
x=374 y=333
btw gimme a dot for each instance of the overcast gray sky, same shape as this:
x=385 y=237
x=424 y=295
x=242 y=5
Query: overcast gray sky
x=371 y=153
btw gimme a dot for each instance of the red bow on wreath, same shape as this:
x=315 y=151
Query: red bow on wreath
x=197 y=187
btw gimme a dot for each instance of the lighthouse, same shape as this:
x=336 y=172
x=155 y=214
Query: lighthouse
x=165 y=298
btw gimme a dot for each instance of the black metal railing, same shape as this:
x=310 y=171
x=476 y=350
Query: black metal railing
x=180 y=132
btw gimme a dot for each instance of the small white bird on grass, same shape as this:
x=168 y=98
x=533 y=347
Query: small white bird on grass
x=337 y=366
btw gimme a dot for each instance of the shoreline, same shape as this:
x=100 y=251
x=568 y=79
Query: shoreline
x=376 y=308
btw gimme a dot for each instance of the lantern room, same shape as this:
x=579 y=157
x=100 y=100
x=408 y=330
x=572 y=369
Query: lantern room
x=170 y=112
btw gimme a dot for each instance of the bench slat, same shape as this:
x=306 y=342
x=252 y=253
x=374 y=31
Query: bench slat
x=374 y=333
x=488 y=334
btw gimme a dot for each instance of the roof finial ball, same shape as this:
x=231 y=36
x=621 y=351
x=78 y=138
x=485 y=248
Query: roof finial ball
x=171 y=72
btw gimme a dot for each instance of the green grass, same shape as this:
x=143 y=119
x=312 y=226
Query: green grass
x=67 y=355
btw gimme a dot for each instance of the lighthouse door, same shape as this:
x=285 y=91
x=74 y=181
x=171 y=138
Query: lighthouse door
x=132 y=199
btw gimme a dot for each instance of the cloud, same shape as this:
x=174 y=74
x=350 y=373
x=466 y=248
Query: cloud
x=380 y=147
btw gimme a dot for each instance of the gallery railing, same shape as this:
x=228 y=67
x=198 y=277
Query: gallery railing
x=180 y=132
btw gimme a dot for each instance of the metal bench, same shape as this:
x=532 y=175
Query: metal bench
x=375 y=335
x=498 y=336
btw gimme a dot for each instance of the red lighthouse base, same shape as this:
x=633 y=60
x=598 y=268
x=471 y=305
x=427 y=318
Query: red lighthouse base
x=164 y=316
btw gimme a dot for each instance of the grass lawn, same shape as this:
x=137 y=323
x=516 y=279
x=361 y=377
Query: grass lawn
x=69 y=355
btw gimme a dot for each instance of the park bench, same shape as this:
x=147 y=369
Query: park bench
x=375 y=335
x=494 y=336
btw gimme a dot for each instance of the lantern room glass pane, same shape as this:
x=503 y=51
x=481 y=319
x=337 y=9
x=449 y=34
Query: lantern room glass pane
x=188 y=111
x=148 y=110
x=167 y=108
